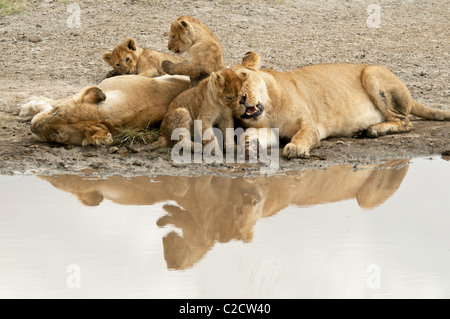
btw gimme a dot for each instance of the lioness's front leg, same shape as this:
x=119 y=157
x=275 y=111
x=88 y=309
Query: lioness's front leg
x=306 y=138
x=229 y=144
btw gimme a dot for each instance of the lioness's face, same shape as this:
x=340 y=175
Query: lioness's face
x=181 y=37
x=73 y=122
x=254 y=93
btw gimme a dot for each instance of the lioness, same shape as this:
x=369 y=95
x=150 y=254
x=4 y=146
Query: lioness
x=96 y=114
x=127 y=58
x=212 y=102
x=318 y=101
x=187 y=34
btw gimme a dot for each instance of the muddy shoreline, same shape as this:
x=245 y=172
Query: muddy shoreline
x=42 y=56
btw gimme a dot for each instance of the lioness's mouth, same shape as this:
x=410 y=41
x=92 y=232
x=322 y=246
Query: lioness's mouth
x=253 y=111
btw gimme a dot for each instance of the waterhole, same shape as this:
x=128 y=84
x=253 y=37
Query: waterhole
x=374 y=231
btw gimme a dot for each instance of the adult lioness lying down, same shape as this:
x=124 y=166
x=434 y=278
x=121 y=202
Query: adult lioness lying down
x=318 y=101
x=96 y=114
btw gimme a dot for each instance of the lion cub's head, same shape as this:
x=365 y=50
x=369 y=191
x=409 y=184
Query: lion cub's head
x=124 y=57
x=254 y=90
x=75 y=121
x=226 y=86
x=183 y=34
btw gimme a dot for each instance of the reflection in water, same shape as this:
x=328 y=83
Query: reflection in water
x=217 y=209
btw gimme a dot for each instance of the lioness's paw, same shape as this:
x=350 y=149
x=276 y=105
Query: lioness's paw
x=99 y=139
x=251 y=149
x=292 y=151
x=375 y=131
x=30 y=109
x=167 y=66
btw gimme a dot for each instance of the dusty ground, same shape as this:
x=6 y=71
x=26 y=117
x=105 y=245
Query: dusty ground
x=41 y=55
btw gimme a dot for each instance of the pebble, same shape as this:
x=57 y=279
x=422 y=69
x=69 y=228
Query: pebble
x=113 y=150
x=34 y=39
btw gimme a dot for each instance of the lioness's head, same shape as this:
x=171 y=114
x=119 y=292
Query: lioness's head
x=123 y=58
x=182 y=34
x=226 y=86
x=74 y=121
x=254 y=91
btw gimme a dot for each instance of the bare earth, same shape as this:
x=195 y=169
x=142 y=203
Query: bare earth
x=41 y=56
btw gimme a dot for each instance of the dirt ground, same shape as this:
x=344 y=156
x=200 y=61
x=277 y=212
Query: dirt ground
x=40 y=55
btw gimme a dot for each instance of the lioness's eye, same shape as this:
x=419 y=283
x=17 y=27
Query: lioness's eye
x=230 y=98
x=117 y=64
x=127 y=60
x=173 y=37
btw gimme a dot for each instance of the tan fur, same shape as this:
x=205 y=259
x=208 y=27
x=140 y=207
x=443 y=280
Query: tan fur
x=318 y=101
x=205 y=53
x=211 y=102
x=212 y=209
x=95 y=115
x=127 y=58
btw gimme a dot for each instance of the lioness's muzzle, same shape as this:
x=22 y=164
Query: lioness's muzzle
x=253 y=111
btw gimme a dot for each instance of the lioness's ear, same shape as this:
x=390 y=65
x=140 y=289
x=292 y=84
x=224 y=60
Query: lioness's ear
x=251 y=60
x=130 y=44
x=217 y=79
x=93 y=95
x=107 y=57
x=243 y=76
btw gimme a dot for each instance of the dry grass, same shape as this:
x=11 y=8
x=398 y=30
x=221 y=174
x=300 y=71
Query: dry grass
x=8 y=7
x=137 y=136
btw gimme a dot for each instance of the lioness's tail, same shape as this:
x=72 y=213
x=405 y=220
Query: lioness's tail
x=161 y=142
x=429 y=113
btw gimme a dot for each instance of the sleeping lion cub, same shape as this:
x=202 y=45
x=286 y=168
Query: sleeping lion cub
x=204 y=50
x=211 y=102
x=127 y=58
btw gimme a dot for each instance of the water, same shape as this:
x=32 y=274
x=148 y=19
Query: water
x=376 y=232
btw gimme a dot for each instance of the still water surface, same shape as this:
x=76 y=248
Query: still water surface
x=377 y=232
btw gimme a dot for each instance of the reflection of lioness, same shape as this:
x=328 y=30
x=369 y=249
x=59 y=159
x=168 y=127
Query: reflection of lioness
x=318 y=101
x=95 y=114
x=219 y=209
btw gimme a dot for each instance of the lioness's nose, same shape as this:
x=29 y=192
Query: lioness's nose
x=243 y=99
x=169 y=47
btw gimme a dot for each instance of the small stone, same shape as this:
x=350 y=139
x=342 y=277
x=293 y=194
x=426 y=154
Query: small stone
x=113 y=150
x=34 y=39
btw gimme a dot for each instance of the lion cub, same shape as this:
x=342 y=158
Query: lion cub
x=205 y=52
x=211 y=101
x=127 y=58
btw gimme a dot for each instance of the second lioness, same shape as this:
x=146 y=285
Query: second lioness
x=211 y=102
x=318 y=101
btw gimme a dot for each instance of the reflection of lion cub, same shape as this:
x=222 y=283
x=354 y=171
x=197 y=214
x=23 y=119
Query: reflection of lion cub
x=211 y=102
x=204 y=50
x=127 y=58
